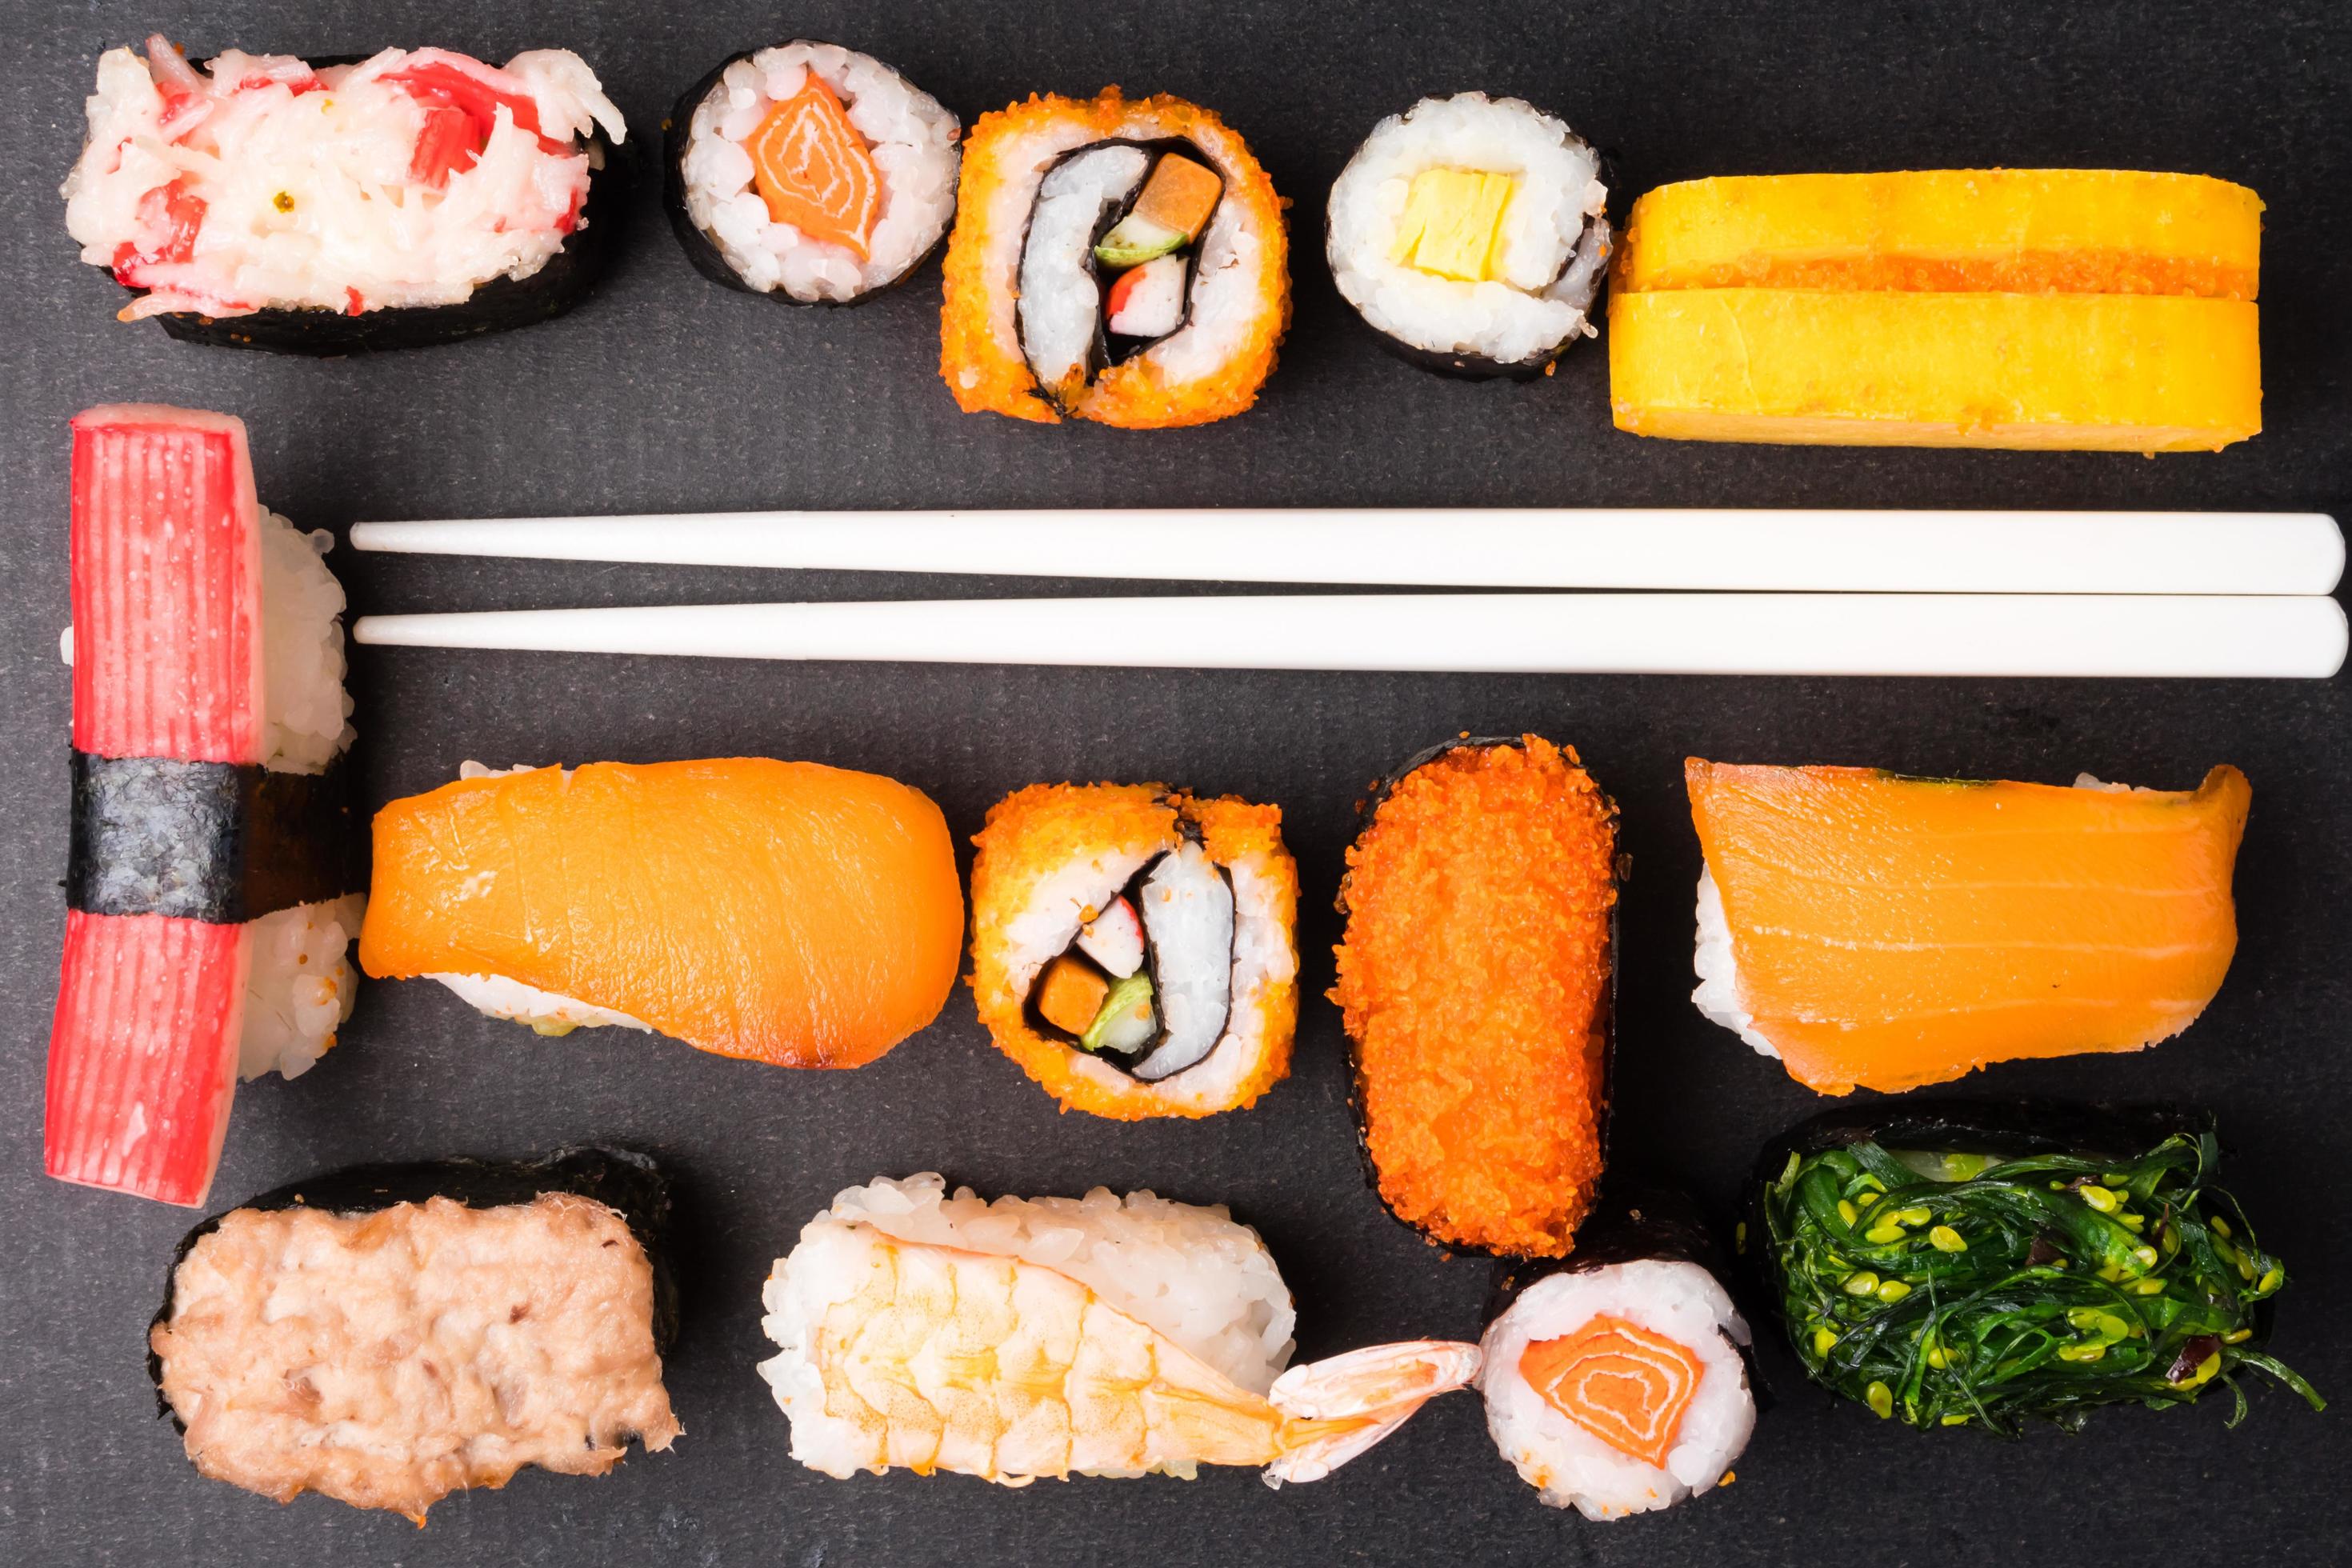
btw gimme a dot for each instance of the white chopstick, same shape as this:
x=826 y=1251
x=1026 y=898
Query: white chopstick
x=1802 y=551
x=1678 y=634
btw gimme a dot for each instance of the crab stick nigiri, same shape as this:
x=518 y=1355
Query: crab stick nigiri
x=1885 y=932
x=787 y=912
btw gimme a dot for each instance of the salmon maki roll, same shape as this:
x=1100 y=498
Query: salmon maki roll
x=785 y=913
x=1132 y=946
x=1883 y=933
x=1475 y=976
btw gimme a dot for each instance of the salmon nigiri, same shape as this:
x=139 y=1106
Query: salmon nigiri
x=788 y=912
x=1883 y=931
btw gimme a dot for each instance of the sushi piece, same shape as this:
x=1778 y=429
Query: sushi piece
x=1100 y=1336
x=1988 y=1265
x=2090 y=310
x=216 y=871
x=1883 y=933
x=1617 y=1383
x=390 y=1334
x=1472 y=234
x=784 y=912
x=1132 y=946
x=810 y=173
x=1117 y=259
x=1475 y=980
x=411 y=197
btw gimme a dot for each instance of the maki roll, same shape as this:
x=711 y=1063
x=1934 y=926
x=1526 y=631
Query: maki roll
x=1472 y=234
x=784 y=913
x=1618 y=1382
x=1871 y=929
x=416 y=196
x=388 y=1335
x=216 y=871
x=1987 y=1265
x=810 y=173
x=1475 y=979
x=1117 y=259
x=1030 y=1337
x=1132 y=946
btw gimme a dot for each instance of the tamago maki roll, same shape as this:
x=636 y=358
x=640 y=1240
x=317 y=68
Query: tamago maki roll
x=810 y=173
x=1117 y=259
x=1470 y=232
x=1132 y=946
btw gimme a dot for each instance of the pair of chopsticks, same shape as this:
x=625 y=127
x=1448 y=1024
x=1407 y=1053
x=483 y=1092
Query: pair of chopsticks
x=1720 y=592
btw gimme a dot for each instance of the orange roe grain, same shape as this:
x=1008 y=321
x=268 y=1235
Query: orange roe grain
x=1473 y=977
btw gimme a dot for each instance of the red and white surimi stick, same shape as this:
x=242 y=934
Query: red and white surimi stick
x=167 y=663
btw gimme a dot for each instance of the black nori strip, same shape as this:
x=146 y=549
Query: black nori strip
x=699 y=248
x=629 y=1184
x=219 y=842
x=497 y=305
x=1606 y=1021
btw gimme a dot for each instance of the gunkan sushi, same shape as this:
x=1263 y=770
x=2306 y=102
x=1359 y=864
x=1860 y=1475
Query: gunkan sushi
x=390 y=1334
x=1032 y=1337
x=1617 y=1383
x=216 y=871
x=1132 y=946
x=1476 y=981
x=1875 y=930
x=1472 y=234
x=415 y=196
x=1116 y=259
x=785 y=913
x=1959 y=1263
x=810 y=173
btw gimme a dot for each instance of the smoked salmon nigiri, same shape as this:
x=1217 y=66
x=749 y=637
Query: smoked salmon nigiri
x=788 y=912
x=1881 y=932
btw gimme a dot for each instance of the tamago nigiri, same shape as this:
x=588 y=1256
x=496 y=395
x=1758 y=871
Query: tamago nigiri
x=1878 y=932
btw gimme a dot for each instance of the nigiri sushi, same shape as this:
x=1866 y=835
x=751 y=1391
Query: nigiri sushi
x=1100 y=1336
x=1475 y=979
x=1132 y=947
x=214 y=877
x=786 y=912
x=1878 y=932
x=390 y=1334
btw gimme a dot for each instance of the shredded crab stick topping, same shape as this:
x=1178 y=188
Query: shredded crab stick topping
x=258 y=182
x=1625 y=1385
x=168 y=663
x=814 y=171
x=1886 y=932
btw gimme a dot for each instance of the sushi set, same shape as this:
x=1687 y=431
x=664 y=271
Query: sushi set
x=387 y=1335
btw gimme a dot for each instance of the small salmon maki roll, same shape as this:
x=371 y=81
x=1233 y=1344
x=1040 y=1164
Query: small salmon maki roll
x=1132 y=946
x=1878 y=932
x=785 y=913
x=1475 y=979
x=1117 y=259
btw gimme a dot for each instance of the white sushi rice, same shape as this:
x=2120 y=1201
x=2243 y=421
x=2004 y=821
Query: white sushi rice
x=1192 y=1273
x=300 y=986
x=307 y=193
x=1061 y=300
x=1716 y=962
x=1680 y=1301
x=914 y=145
x=1264 y=957
x=1554 y=240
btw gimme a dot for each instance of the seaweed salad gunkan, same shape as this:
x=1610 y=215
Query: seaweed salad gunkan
x=1949 y=1285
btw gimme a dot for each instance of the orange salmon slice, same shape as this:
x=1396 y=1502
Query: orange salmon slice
x=1892 y=931
x=814 y=171
x=1619 y=1380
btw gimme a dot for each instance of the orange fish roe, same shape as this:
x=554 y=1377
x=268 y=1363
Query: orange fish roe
x=1473 y=977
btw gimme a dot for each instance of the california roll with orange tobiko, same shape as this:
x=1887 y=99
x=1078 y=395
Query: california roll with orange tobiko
x=1117 y=259
x=1475 y=979
x=1132 y=946
x=414 y=197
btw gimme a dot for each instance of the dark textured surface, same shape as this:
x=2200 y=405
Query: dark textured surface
x=667 y=392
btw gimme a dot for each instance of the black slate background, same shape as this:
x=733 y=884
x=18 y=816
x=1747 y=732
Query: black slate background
x=664 y=392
